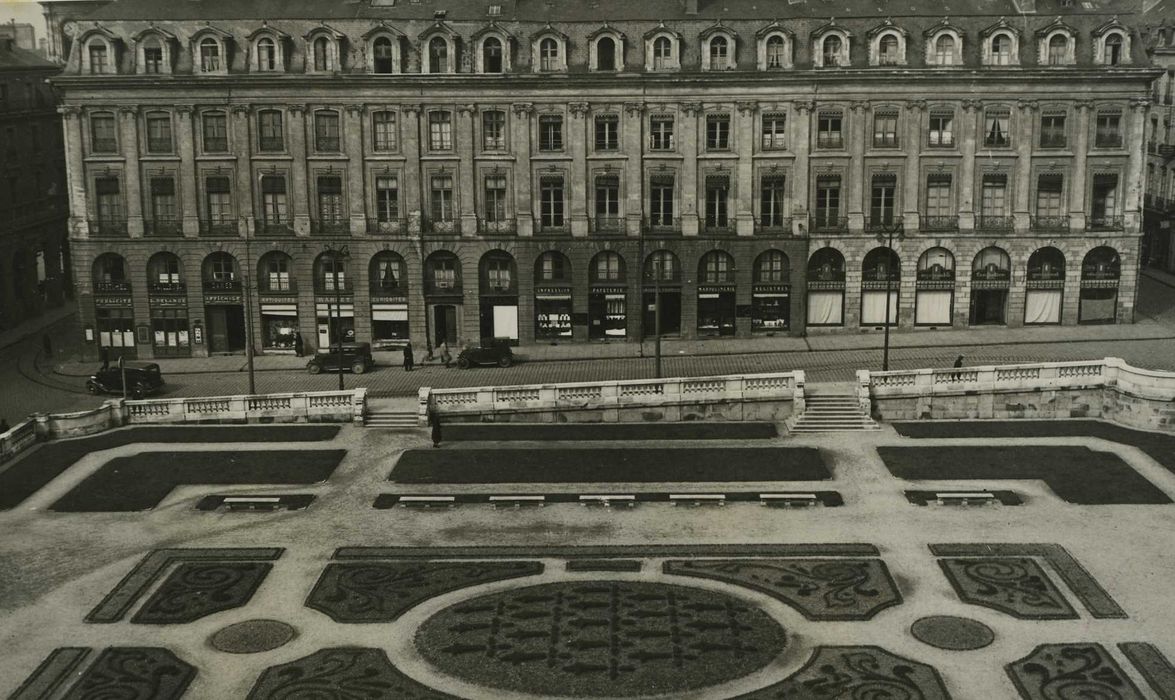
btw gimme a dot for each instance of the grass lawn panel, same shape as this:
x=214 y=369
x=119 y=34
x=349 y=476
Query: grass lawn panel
x=482 y=432
x=140 y=482
x=39 y=466
x=1158 y=447
x=609 y=465
x=1075 y=474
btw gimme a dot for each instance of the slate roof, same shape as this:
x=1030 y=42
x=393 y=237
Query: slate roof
x=17 y=59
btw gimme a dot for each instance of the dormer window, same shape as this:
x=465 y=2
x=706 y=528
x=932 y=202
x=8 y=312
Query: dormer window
x=99 y=58
x=438 y=55
x=944 y=46
x=320 y=52
x=549 y=52
x=322 y=49
x=719 y=53
x=1111 y=44
x=775 y=52
x=266 y=55
x=832 y=47
x=548 y=55
x=944 y=50
x=1002 y=50
x=662 y=53
x=491 y=55
x=1113 y=50
x=887 y=51
x=383 y=56
x=606 y=54
x=152 y=56
x=210 y=58
x=1058 y=49
x=1056 y=45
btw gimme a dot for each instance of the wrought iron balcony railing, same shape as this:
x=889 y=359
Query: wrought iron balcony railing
x=167 y=287
x=661 y=224
x=1049 y=223
x=389 y=226
x=442 y=226
x=829 y=223
x=217 y=228
x=162 y=227
x=773 y=224
x=114 y=287
x=1105 y=223
x=222 y=285
x=497 y=226
x=275 y=228
x=330 y=227
x=989 y=222
x=884 y=224
x=939 y=223
x=609 y=223
x=108 y=228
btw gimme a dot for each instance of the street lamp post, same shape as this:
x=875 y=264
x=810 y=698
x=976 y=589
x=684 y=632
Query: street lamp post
x=333 y=321
x=657 y=316
x=886 y=235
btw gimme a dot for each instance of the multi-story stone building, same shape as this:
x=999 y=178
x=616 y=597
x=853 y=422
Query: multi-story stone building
x=1159 y=200
x=34 y=246
x=544 y=171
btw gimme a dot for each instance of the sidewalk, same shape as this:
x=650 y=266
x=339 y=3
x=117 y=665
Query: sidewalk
x=36 y=326
x=865 y=340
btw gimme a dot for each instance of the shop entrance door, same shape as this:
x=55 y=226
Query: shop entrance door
x=226 y=328
x=987 y=307
x=670 y=313
x=444 y=326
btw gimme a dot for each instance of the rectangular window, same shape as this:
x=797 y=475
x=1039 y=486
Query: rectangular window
x=326 y=132
x=551 y=202
x=661 y=200
x=330 y=199
x=103 y=138
x=550 y=132
x=153 y=59
x=938 y=196
x=1109 y=130
x=218 y=190
x=1104 y=204
x=827 y=202
x=774 y=131
x=995 y=196
x=387 y=198
x=495 y=198
x=163 y=199
x=277 y=273
x=882 y=199
x=718 y=132
x=159 y=133
x=772 y=198
x=996 y=128
x=717 y=201
x=607 y=132
x=1049 y=188
x=440 y=131
x=828 y=130
x=215 y=128
x=383 y=131
x=661 y=133
x=942 y=130
x=109 y=199
x=885 y=129
x=607 y=196
x=1052 y=131
x=269 y=129
x=493 y=131
x=98 y=63
x=441 y=197
x=274 y=209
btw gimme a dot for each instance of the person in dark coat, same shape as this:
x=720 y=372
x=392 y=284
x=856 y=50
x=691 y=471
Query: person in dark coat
x=299 y=345
x=408 y=357
x=958 y=361
x=435 y=423
x=104 y=355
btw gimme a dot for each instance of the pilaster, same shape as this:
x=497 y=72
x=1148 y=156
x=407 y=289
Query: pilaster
x=356 y=185
x=299 y=190
x=523 y=175
x=970 y=134
x=856 y=174
x=129 y=133
x=801 y=145
x=1135 y=146
x=689 y=168
x=1023 y=177
x=1078 y=177
x=410 y=186
x=577 y=142
x=634 y=145
x=189 y=198
x=243 y=146
x=744 y=143
x=912 y=145
x=466 y=208
x=75 y=170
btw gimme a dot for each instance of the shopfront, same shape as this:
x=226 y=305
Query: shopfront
x=1045 y=290
x=224 y=309
x=552 y=313
x=1100 y=271
x=716 y=310
x=389 y=321
x=499 y=296
x=934 y=300
x=336 y=322
x=169 y=327
x=880 y=284
x=114 y=320
x=661 y=300
x=991 y=275
x=770 y=308
x=279 y=325
x=826 y=288
x=607 y=313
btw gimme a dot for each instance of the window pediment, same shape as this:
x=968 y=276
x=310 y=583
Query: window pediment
x=887 y=26
x=943 y=26
x=381 y=28
x=549 y=32
x=1000 y=26
x=97 y=30
x=153 y=31
x=324 y=30
x=718 y=29
x=266 y=30
x=662 y=30
x=830 y=28
x=438 y=28
x=207 y=30
x=607 y=31
x=1056 y=25
x=774 y=28
x=492 y=29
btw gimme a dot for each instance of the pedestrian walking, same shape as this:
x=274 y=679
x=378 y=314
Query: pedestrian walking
x=958 y=361
x=104 y=355
x=408 y=358
x=435 y=423
x=299 y=344
x=446 y=356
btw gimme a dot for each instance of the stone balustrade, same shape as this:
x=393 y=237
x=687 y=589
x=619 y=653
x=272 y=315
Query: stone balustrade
x=735 y=397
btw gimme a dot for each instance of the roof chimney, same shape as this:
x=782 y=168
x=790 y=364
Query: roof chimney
x=691 y=7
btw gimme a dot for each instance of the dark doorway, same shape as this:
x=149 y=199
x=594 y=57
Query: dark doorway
x=988 y=306
x=226 y=328
x=670 y=313
x=444 y=324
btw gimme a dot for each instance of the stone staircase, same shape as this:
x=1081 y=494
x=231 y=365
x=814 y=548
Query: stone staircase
x=832 y=412
x=397 y=414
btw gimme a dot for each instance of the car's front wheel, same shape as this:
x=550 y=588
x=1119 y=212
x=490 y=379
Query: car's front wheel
x=314 y=369
x=359 y=368
x=463 y=363
x=138 y=391
x=93 y=388
x=505 y=361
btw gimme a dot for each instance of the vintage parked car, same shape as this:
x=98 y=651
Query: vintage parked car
x=491 y=351
x=141 y=380
x=353 y=356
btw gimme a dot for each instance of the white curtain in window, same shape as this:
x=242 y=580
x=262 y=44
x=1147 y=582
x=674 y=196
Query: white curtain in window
x=825 y=308
x=1042 y=306
x=933 y=308
x=506 y=322
x=1098 y=309
x=873 y=308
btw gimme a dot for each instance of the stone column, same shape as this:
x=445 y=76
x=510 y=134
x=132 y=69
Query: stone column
x=969 y=131
x=801 y=145
x=356 y=184
x=467 y=207
x=1077 y=180
x=633 y=131
x=856 y=174
x=75 y=171
x=243 y=146
x=689 y=170
x=744 y=189
x=523 y=195
x=410 y=177
x=129 y=133
x=912 y=189
x=577 y=142
x=189 y=192
x=1135 y=146
x=299 y=187
x=1024 y=144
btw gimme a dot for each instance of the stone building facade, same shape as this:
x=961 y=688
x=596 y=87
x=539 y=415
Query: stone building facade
x=34 y=246
x=1159 y=183
x=525 y=170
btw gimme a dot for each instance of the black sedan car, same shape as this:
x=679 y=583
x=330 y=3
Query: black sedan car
x=492 y=351
x=353 y=356
x=141 y=380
